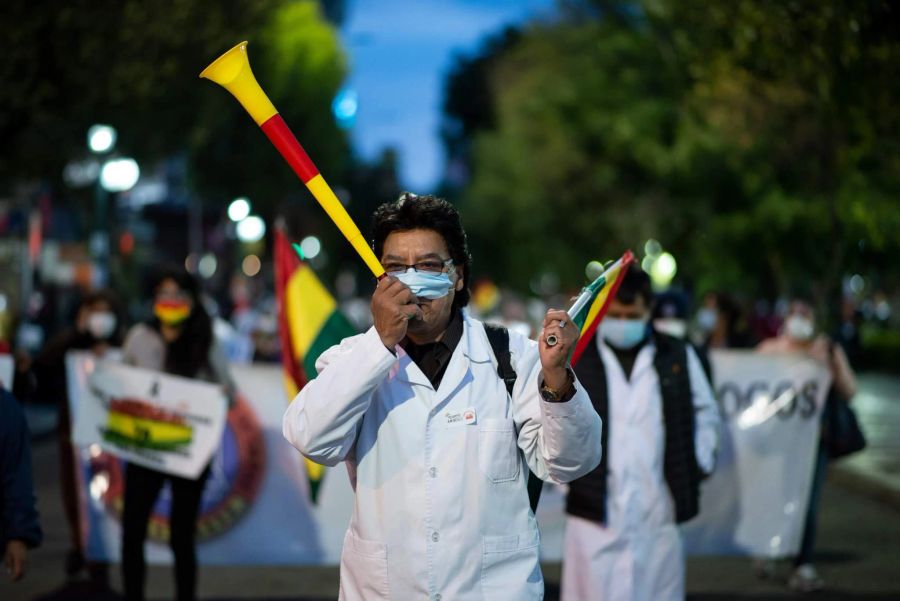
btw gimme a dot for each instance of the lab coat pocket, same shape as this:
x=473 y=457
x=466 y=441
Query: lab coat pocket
x=510 y=568
x=364 y=569
x=498 y=454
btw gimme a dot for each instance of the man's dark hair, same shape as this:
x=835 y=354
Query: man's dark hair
x=105 y=295
x=100 y=295
x=635 y=283
x=412 y=212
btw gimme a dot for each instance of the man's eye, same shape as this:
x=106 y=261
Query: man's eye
x=394 y=267
x=429 y=266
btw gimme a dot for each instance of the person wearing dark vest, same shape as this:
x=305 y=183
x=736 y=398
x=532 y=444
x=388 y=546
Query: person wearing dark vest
x=661 y=431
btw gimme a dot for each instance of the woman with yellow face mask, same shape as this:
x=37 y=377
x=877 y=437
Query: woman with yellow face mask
x=178 y=340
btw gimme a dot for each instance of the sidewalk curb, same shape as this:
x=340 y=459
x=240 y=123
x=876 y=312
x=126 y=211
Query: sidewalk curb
x=868 y=486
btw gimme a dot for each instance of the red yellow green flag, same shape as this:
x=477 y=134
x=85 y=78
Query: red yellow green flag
x=600 y=293
x=310 y=323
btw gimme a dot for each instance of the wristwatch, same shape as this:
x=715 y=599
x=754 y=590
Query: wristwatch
x=555 y=396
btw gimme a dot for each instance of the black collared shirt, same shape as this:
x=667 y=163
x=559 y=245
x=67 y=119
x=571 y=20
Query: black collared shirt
x=433 y=358
x=628 y=357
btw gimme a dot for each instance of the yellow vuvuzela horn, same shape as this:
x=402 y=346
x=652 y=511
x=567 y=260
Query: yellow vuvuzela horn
x=232 y=72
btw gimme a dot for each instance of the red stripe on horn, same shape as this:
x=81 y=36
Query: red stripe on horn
x=281 y=136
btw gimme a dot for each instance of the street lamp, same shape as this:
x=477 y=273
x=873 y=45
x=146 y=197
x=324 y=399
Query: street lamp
x=101 y=138
x=238 y=209
x=251 y=229
x=119 y=175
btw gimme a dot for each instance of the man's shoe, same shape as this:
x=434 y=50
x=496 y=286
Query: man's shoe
x=805 y=579
x=765 y=569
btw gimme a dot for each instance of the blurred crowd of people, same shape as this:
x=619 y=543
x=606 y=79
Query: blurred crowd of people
x=251 y=334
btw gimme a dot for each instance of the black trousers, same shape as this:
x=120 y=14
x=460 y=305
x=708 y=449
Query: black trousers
x=142 y=486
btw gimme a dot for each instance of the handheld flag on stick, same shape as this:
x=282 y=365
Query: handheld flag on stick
x=232 y=72
x=309 y=323
x=591 y=305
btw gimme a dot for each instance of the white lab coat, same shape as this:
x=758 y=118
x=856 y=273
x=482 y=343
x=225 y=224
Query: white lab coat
x=638 y=555
x=441 y=508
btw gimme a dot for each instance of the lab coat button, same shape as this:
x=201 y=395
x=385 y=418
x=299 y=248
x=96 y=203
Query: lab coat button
x=434 y=537
x=433 y=472
x=437 y=597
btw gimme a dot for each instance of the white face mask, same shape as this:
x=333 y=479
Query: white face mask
x=623 y=333
x=671 y=326
x=799 y=328
x=707 y=318
x=101 y=324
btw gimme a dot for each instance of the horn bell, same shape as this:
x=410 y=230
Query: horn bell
x=232 y=71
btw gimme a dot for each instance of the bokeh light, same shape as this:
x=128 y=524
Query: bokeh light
x=119 y=175
x=239 y=209
x=310 y=247
x=251 y=229
x=101 y=138
x=251 y=265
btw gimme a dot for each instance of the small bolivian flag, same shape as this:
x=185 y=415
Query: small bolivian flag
x=139 y=424
x=604 y=290
x=309 y=323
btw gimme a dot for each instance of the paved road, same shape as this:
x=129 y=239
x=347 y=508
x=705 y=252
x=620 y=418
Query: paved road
x=858 y=551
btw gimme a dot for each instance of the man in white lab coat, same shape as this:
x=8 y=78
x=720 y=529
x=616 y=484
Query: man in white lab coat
x=437 y=450
x=660 y=433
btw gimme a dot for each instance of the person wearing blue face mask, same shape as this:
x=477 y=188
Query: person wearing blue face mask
x=438 y=446
x=661 y=431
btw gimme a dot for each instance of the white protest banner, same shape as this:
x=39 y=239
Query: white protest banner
x=6 y=371
x=164 y=422
x=755 y=502
x=255 y=507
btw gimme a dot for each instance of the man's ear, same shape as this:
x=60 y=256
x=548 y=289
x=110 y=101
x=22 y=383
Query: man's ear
x=459 y=279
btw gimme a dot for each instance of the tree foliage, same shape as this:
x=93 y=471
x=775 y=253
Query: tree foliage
x=135 y=65
x=756 y=139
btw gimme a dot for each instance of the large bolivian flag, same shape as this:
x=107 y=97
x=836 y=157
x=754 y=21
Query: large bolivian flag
x=604 y=289
x=309 y=323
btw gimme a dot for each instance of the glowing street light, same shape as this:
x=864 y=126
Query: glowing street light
x=119 y=175
x=101 y=138
x=251 y=229
x=663 y=270
x=344 y=107
x=239 y=209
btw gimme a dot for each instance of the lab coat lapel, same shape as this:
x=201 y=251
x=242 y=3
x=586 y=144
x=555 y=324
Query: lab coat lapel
x=470 y=348
x=643 y=361
x=407 y=370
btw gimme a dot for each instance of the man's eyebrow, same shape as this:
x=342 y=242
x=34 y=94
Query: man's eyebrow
x=418 y=257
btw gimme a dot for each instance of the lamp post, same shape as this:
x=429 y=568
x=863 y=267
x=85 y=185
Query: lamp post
x=101 y=139
x=118 y=174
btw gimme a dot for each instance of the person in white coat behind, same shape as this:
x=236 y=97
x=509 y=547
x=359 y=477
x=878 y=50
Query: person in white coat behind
x=437 y=450
x=660 y=434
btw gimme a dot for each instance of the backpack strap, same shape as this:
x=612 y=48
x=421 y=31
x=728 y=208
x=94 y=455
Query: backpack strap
x=498 y=338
